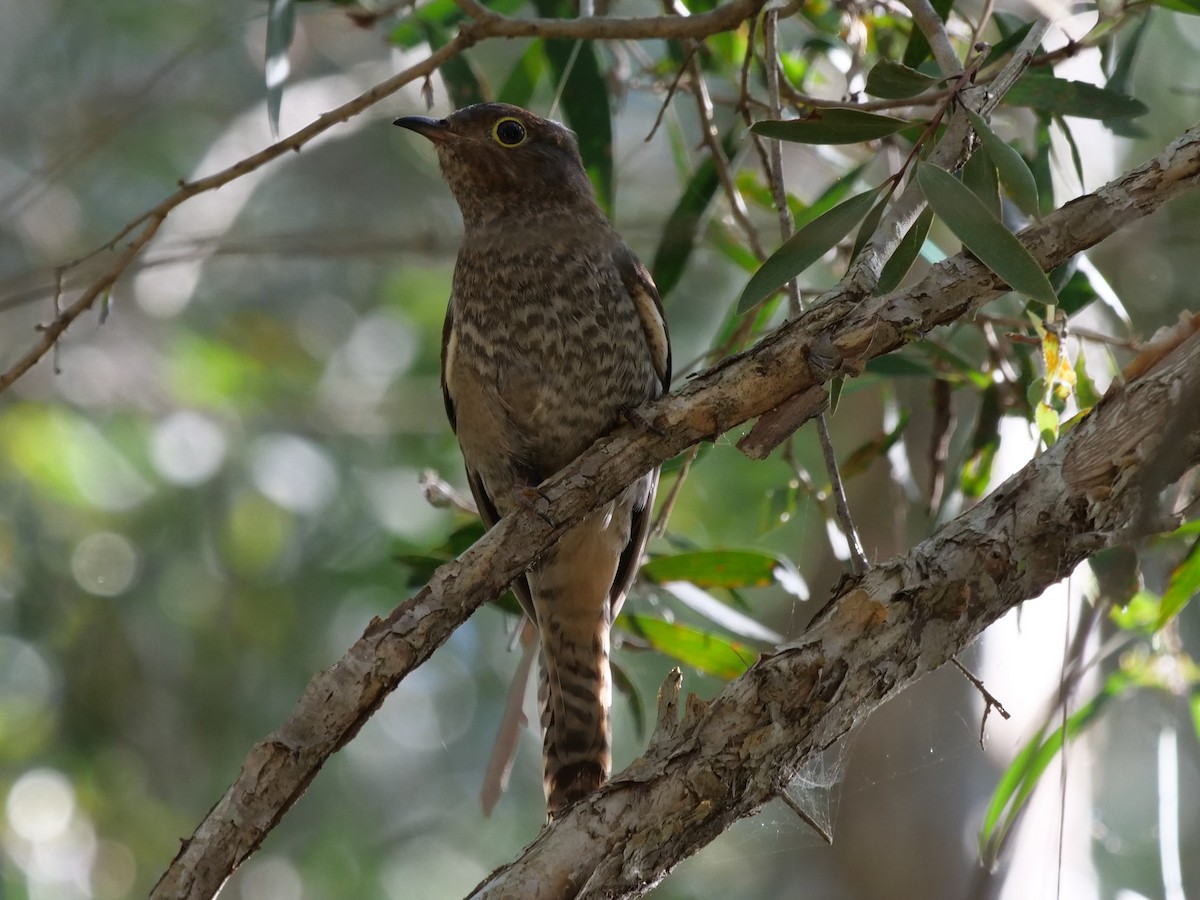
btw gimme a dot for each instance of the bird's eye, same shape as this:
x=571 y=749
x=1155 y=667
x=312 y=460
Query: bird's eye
x=509 y=132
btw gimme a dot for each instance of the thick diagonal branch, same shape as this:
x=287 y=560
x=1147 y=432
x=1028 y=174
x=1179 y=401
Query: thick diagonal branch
x=881 y=633
x=340 y=699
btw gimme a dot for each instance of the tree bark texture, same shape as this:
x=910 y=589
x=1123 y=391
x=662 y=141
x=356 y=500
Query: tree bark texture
x=902 y=619
x=881 y=633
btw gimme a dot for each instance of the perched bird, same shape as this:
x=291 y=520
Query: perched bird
x=553 y=332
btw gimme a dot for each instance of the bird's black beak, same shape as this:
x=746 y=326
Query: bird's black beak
x=435 y=129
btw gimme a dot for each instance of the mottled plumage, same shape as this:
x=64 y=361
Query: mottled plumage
x=553 y=331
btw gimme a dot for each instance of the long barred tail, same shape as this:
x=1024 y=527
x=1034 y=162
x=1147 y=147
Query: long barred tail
x=575 y=693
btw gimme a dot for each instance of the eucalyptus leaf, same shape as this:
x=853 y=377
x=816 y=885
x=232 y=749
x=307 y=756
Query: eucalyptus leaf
x=682 y=227
x=804 y=248
x=1014 y=172
x=831 y=126
x=905 y=254
x=709 y=653
x=1060 y=97
x=281 y=29
x=895 y=81
x=586 y=106
x=1182 y=587
x=1188 y=7
x=1022 y=776
x=979 y=175
x=714 y=568
x=983 y=234
x=518 y=88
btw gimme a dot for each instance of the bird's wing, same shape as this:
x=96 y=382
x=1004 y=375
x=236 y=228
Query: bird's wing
x=641 y=290
x=640 y=287
x=483 y=500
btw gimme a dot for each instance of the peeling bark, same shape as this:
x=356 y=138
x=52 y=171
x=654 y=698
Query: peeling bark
x=881 y=633
x=902 y=619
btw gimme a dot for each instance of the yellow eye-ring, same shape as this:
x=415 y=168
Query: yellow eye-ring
x=509 y=132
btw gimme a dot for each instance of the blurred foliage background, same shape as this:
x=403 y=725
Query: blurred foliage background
x=216 y=481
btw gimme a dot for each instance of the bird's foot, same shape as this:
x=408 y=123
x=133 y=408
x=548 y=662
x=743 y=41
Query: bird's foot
x=637 y=420
x=529 y=496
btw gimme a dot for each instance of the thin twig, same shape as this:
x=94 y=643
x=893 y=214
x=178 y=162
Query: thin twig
x=949 y=154
x=674 y=86
x=806 y=817
x=775 y=149
x=487 y=25
x=858 y=562
x=668 y=504
x=858 y=559
x=989 y=700
x=934 y=30
x=712 y=139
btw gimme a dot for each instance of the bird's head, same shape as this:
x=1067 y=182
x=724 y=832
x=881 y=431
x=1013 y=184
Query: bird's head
x=501 y=160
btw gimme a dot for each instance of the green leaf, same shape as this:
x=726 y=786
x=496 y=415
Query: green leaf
x=977 y=471
x=899 y=365
x=1014 y=172
x=1046 y=419
x=579 y=77
x=983 y=234
x=1188 y=7
x=831 y=126
x=626 y=685
x=1122 y=69
x=804 y=248
x=1140 y=613
x=1009 y=42
x=869 y=223
x=965 y=369
x=1041 y=166
x=1086 y=394
x=905 y=254
x=979 y=175
x=835 y=392
x=281 y=28
x=518 y=88
x=830 y=197
x=682 y=226
x=714 y=568
x=895 y=81
x=705 y=652
x=1059 y=97
x=1183 y=586
x=1076 y=156
x=1077 y=293
x=985 y=441
x=721 y=614
x=860 y=459
x=1020 y=779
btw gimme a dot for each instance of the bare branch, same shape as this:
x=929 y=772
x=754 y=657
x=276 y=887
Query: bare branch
x=340 y=699
x=934 y=30
x=471 y=32
x=878 y=636
x=950 y=153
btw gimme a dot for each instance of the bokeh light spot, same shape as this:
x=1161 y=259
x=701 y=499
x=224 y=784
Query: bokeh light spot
x=293 y=473
x=105 y=564
x=187 y=448
x=40 y=805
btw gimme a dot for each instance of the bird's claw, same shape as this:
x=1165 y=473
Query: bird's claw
x=530 y=497
x=637 y=420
